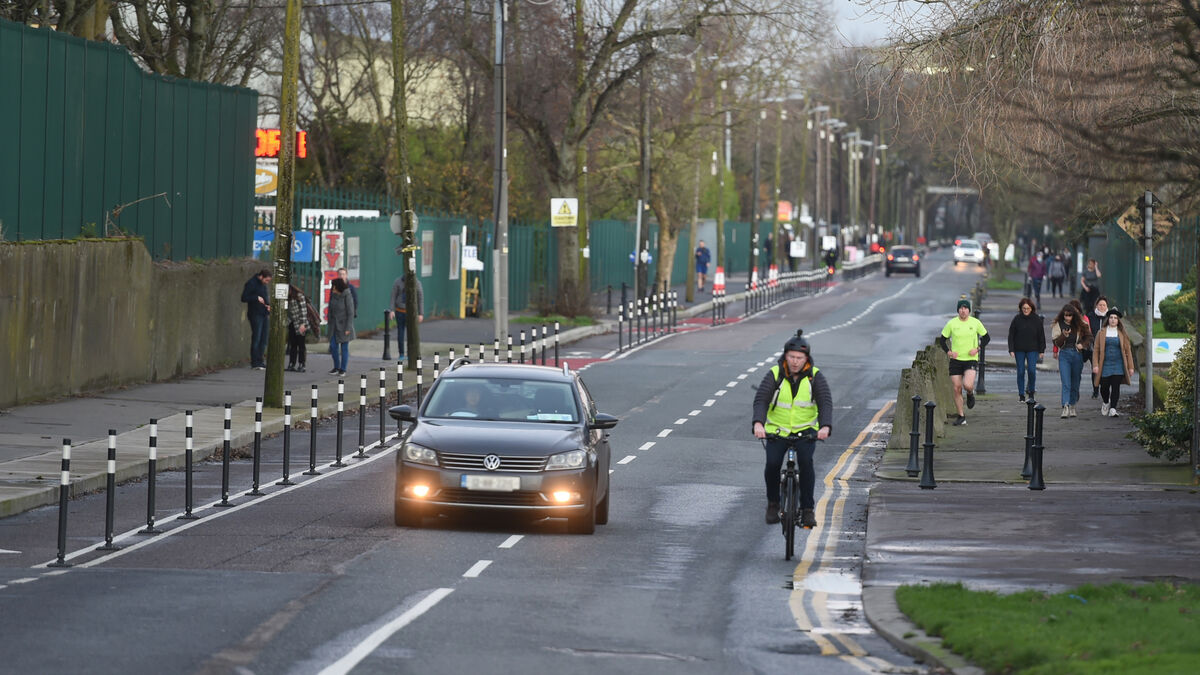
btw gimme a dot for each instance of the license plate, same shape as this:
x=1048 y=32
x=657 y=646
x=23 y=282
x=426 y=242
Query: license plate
x=901 y=259
x=492 y=483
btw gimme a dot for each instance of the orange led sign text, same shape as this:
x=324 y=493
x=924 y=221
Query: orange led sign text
x=267 y=144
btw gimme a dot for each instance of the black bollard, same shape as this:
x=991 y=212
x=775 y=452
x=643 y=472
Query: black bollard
x=287 y=439
x=914 y=453
x=341 y=410
x=555 y=344
x=187 y=470
x=362 y=415
x=522 y=334
x=1036 y=481
x=110 y=496
x=1027 y=467
x=64 y=487
x=620 y=330
x=387 y=337
x=927 y=482
x=509 y=357
x=980 y=388
x=151 y=481
x=312 y=434
x=383 y=404
x=225 y=457
x=608 y=305
x=420 y=381
x=257 y=462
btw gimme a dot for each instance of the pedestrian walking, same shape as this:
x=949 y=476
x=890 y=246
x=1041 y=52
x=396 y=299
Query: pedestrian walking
x=344 y=275
x=1026 y=344
x=1056 y=271
x=793 y=400
x=257 y=296
x=400 y=312
x=1070 y=333
x=1036 y=271
x=341 y=325
x=1090 y=285
x=703 y=257
x=1113 y=361
x=1096 y=319
x=961 y=339
x=297 y=311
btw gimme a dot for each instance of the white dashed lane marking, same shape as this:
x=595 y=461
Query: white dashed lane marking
x=731 y=384
x=742 y=376
x=647 y=445
x=477 y=569
x=664 y=433
x=709 y=403
x=720 y=393
x=512 y=541
x=681 y=420
x=694 y=413
x=627 y=459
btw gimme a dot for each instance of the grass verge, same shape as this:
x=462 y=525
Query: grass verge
x=1160 y=331
x=1116 y=628
x=569 y=322
x=1000 y=284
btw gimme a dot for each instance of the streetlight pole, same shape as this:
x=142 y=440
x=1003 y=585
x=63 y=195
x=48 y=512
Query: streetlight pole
x=500 y=182
x=819 y=142
x=757 y=214
x=721 y=158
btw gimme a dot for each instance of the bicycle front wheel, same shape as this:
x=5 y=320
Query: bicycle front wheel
x=788 y=518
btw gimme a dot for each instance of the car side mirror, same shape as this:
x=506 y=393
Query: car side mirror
x=604 y=421
x=402 y=413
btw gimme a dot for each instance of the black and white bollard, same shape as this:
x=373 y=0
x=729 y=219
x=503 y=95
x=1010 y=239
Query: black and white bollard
x=341 y=411
x=420 y=380
x=620 y=329
x=450 y=357
x=64 y=487
x=914 y=453
x=110 y=496
x=151 y=481
x=437 y=365
x=495 y=350
x=927 y=481
x=312 y=434
x=257 y=461
x=383 y=406
x=522 y=334
x=187 y=466
x=387 y=337
x=510 y=348
x=1027 y=467
x=225 y=451
x=555 y=344
x=287 y=439
x=399 y=391
x=362 y=414
x=629 y=321
x=1036 y=481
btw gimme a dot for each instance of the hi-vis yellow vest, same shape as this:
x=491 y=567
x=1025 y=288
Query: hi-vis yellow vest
x=789 y=415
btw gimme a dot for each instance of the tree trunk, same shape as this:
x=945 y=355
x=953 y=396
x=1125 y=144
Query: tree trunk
x=668 y=236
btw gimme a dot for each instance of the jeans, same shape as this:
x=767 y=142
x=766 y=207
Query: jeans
x=340 y=351
x=260 y=325
x=1037 y=291
x=1070 y=367
x=776 y=450
x=401 y=326
x=1026 y=363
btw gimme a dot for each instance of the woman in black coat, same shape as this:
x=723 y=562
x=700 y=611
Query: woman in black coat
x=1026 y=344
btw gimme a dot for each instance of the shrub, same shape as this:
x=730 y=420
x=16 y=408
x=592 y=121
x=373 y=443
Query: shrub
x=1167 y=433
x=1179 y=311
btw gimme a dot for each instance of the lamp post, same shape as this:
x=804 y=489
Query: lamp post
x=817 y=214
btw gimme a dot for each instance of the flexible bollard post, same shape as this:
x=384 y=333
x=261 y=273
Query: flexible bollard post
x=362 y=414
x=981 y=387
x=64 y=486
x=437 y=364
x=187 y=471
x=312 y=434
x=522 y=334
x=399 y=382
x=257 y=463
x=746 y=308
x=914 y=463
x=387 y=337
x=629 y=322
x=225 y=452
x=110 y=490
x=450 y=357
x=287 y=439
x=545 y=337
x=151 y=482
x=620 y=330
x=713 y=306
x=555 y=344
x=341 y=409
x=420 y=381
x=383 y=405
x=495 y=350
x=1027 y=467
x=509 y=357
x=927 y=481
x=1037 y=481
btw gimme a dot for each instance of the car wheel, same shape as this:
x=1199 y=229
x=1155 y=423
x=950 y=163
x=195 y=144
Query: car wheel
x=584 y=523
x=602 y=509
x=407 y=516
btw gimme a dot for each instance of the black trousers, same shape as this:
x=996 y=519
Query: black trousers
x=1110 y=388
x=297 y=350
x=776 y=450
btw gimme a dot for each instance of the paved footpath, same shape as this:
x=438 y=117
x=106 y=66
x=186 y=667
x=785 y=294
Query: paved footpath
x=1109 y=512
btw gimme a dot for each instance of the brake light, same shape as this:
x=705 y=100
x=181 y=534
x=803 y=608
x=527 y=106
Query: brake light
x=957 y=242
x=916 y=257
x=890 y=258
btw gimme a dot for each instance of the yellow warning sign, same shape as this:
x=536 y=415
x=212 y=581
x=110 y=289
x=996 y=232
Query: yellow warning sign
x=564 y=212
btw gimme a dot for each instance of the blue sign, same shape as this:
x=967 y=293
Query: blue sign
x=633 y=258
x=303 y=249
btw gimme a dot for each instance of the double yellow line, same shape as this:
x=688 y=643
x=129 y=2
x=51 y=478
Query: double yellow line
x=825 y=541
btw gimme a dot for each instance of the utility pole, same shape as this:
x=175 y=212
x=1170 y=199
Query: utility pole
x=499 y=180
x=407 y=214
x=643 y=228
x=1148 y=242
x=721 y=162
x=778 y=228
x=756 y=215
x=281 y=249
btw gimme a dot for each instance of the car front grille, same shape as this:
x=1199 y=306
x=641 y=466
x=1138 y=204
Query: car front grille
x=509 y=464
x=461 y=496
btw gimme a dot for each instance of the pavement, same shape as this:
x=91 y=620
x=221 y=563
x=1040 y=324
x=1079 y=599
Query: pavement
x=1109 y=511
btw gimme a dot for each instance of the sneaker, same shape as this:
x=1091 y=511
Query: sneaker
x=334 y=371
x=808 y=518
x=1072 y=408
x=341 y=372
x=1066 y=412
x=299 y=369
x=1021 y=398
x=290 y=369
x=1031 y=394
x=970 y=400
x=1112 y=412
x=1104 y=409
x=959 y=421
x=260 y=367
x=772 y=513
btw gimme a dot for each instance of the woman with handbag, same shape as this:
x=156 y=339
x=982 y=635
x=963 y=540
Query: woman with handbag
x=1070 y=333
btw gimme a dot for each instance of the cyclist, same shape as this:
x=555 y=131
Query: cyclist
x=793 y=397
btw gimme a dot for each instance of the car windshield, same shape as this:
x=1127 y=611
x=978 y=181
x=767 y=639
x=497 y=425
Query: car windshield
x=502 y=399
x=969 y=244
x=902 y=251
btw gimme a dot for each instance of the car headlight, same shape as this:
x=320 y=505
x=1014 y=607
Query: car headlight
x=419 y=454
x=574 y=459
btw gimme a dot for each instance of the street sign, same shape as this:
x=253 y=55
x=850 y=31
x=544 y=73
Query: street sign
x=564 y=212
x=302 y=245
x=1133 y=221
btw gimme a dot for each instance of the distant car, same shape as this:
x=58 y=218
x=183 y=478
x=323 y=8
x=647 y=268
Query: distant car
x=507 y=438
x=902 y=259
x=968 y=251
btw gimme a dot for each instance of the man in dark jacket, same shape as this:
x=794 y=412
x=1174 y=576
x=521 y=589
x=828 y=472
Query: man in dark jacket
x=400 y=311
x=257 y=296
x=793 y=405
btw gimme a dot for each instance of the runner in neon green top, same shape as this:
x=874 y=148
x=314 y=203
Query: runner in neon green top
x=961 y=339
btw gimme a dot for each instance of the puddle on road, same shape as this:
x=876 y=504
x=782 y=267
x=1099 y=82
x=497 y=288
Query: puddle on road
x=833 y=582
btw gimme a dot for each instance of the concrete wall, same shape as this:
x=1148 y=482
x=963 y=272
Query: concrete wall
x=84 y=315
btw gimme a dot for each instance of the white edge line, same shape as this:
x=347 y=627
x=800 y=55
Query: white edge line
x=364 y=648
x=477 y=569
x=512 y=541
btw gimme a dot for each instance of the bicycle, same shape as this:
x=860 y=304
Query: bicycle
x=789 y=489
